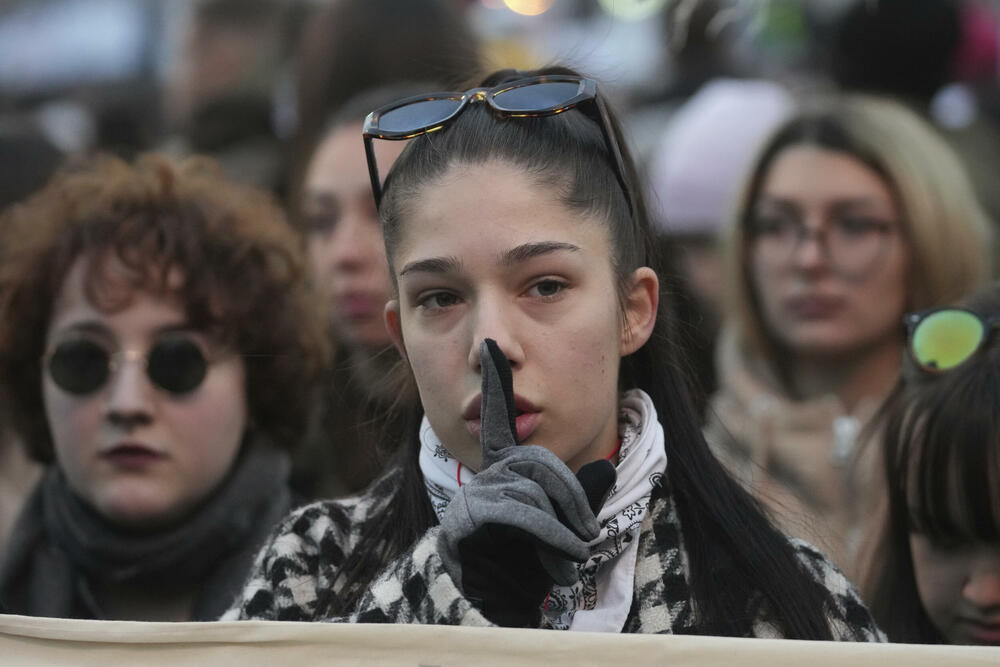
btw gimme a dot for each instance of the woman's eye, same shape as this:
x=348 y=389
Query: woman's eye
x=320 y=222
x=771 y=226
x=547 y=288
x=859 y=226
x=438 y=300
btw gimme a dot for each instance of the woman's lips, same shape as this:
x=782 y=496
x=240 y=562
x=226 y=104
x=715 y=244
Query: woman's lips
x=131 y=455
x=526 y=423
x=814 y=306
x=525 y=420
x=355 y=305
x=983 y=633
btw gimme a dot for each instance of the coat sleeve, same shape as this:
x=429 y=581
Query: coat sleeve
x=299 y=565
x=848 y=618
x=288 y=573
x=416 y=588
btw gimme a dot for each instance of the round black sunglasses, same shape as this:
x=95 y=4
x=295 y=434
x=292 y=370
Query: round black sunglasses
x=82 y=366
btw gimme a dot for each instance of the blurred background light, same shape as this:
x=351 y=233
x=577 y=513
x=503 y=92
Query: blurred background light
x=528 y=7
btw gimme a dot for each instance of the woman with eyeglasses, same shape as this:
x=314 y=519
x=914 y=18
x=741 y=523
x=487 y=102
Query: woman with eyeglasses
x=156 y=345
x=556 y=475
x=934 y=576
x=854 y=213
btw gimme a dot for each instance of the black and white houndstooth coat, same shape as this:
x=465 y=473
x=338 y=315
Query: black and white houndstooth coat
x=302 y=560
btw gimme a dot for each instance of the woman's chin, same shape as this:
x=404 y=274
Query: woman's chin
x=139 y=511
x=366 y=334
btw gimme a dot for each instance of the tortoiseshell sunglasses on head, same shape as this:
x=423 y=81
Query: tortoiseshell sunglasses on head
x=532 y=97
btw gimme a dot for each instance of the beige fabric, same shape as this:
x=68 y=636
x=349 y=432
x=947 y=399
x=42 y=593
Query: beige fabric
x=28 y=641
x=787 y=453
x=18 y=476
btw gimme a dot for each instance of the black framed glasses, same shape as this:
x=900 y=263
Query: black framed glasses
x=941 y=339
x=532 y=97
x=81 y=366
x=852 y=244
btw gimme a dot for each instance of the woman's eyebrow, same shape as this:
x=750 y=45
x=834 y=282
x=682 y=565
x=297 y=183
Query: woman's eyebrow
x=177 y=327
x=777 y=202
x=526 y=251
x=432 y=265
x=861 y=202
x=85 y=326
x=318 y=196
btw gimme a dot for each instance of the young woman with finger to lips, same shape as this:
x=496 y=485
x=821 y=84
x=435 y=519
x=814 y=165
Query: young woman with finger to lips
x=557 y=476
x=132 y=354
x=853 y=214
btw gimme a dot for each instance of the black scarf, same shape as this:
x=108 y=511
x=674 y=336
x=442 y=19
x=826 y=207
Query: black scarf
x=59 y=540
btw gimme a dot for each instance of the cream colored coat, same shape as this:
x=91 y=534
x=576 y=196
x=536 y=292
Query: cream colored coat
x=802 y=459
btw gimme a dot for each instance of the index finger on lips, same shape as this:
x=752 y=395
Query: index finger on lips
x=498 y=430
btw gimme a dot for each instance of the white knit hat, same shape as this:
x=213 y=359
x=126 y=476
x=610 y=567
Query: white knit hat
x=706 y=151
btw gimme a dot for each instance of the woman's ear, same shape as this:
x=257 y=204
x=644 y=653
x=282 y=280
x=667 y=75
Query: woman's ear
x=641 y=302
x=392 y=325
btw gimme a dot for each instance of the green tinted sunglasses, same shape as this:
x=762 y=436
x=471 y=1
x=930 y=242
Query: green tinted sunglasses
x=943 y=338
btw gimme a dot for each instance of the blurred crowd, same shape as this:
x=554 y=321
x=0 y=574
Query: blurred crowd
x=816 y=172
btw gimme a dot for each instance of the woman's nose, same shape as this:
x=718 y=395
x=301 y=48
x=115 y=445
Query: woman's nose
x=130 y=393
x=810 y=251
x=494 y=319
x=355 y=243
x=983 y=586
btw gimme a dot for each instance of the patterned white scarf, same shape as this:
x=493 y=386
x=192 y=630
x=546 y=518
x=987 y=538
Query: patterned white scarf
x=600 y=600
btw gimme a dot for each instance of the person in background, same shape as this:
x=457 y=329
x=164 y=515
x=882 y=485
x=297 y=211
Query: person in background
x=905 y=48
x=363 y=400
x=23 y=144
x=18 y=476
x=854 y=213
x=934 y=576
x=557 y=476
x=923 y=54
x=694 y=178
x=134 y=364
x=350 y=46
x=224 y=95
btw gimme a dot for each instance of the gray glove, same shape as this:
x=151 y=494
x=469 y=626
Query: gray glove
x=524 y=498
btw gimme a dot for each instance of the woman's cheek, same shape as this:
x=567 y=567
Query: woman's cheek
x=939 y=575
x=74 y=425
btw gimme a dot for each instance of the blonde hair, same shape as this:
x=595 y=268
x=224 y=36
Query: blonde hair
x=948 y=234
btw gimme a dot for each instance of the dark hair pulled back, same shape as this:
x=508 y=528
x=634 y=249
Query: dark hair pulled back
x=739 y=563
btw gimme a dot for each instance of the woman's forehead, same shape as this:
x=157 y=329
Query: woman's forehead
x=101 y=286
x=792 y=175
x=483 y=210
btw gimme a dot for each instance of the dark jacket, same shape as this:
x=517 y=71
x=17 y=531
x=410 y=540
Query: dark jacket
x=61 y=548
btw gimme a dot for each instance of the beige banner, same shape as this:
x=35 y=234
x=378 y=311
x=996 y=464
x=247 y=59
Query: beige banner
x=49 y=641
